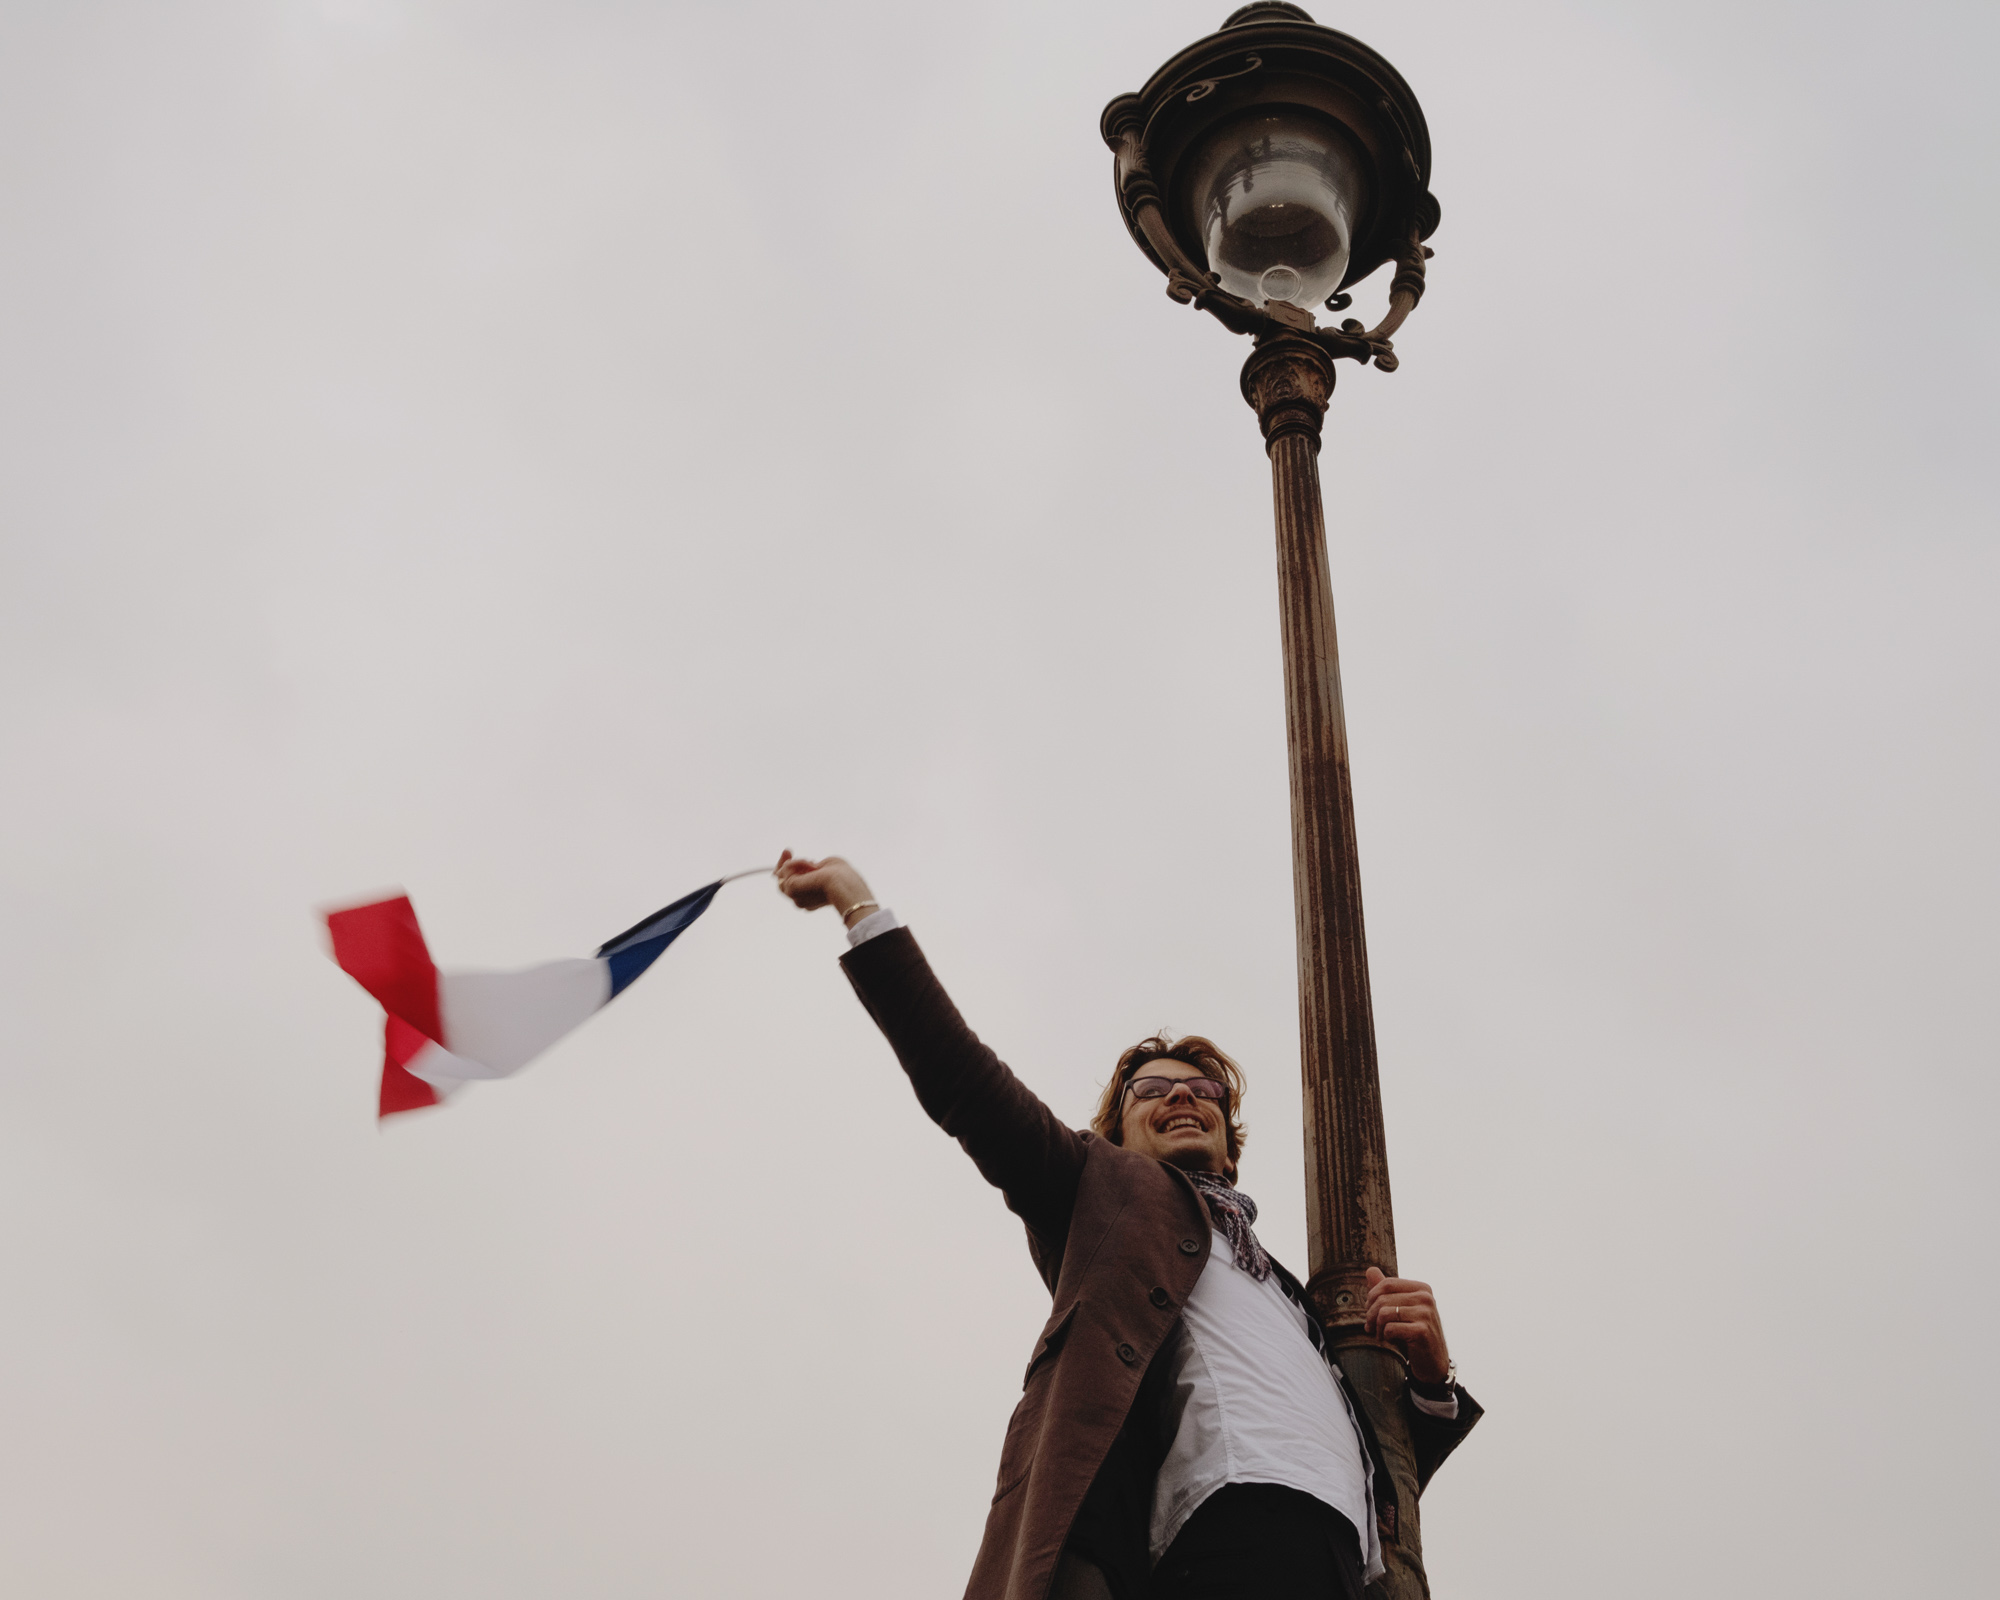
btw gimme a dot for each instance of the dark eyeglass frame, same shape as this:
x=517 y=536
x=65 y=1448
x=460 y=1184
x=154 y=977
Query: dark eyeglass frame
x=1131 y=1087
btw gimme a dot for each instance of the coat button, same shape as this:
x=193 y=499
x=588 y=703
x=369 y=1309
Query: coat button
x=1190 y=1247
x=1160 y=1297
x=1127 y=1354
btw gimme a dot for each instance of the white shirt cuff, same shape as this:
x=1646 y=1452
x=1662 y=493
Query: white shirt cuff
x=1446 y=1409
x=884 y=921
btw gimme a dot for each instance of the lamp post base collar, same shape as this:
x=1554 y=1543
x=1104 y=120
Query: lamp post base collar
x=1287 y=382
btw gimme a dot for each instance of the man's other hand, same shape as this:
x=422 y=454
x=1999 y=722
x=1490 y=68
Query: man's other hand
x=830 y=882
x=1403 y=1312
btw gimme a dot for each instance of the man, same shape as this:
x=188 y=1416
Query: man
x=1182 y=1433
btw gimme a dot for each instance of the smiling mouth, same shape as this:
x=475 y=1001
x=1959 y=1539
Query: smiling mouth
x=1183 y=1120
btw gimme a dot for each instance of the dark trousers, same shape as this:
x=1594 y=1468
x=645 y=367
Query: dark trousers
x=1258 y=1541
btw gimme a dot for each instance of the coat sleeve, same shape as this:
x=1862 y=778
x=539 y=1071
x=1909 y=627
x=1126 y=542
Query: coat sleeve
x=1018 y=1144
x=1434 y=1438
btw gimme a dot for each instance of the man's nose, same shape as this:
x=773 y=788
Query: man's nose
x=1180 y=1091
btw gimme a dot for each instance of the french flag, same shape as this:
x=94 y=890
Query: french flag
x=446 y=1029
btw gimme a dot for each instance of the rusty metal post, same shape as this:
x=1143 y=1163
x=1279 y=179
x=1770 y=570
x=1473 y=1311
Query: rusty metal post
x=1349 y=1228
x=1348 y=1223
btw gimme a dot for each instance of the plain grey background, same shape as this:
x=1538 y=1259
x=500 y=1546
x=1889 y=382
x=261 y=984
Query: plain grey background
x=546 y=456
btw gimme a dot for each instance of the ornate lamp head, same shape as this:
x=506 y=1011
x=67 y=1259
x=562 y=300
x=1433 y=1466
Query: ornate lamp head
x=1270 y=165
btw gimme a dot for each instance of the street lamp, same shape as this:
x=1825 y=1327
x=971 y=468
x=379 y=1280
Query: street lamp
x=1264 y=169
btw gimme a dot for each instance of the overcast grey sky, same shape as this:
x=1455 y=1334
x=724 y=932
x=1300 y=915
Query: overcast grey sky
x=545 y=456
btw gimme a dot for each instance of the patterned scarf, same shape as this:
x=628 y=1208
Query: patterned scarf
x=1234 y=1212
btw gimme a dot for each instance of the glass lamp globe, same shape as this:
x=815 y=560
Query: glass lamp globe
x=1275 y=194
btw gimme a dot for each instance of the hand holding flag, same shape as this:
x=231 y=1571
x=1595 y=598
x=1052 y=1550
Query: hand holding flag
x=831 y=882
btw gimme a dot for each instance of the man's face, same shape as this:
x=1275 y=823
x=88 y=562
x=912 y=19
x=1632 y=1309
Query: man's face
x=1190 y=1133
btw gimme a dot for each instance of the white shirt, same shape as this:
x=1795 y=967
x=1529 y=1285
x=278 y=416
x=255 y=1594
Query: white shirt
x=1251 y=1399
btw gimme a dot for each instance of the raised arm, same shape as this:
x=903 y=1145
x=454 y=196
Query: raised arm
x=1018 y=1144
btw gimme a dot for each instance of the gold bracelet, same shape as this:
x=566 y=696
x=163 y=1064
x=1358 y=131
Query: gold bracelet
x=860 y=905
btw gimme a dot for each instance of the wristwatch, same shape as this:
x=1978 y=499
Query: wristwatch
x=1439 y=1391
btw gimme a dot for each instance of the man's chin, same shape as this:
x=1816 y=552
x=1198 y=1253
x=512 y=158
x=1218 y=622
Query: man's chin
x=1195 y=1160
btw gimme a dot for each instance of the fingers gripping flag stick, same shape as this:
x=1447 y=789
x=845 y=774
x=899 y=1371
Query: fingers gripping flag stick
x=445 y=1029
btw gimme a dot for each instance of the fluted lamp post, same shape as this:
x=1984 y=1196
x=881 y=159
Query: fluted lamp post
x=1264 y=169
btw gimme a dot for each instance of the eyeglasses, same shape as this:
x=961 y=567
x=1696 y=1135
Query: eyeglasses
x=1157 y=1088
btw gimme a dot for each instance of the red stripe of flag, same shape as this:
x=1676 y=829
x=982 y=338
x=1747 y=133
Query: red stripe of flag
x=381 y=948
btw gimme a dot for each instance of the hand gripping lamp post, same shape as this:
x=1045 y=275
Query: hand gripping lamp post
x=1264 y=169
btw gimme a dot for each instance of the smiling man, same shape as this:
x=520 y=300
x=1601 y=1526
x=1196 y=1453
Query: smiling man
x=1182 y=1432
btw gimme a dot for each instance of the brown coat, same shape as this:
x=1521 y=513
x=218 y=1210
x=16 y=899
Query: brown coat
x=1119 y=1239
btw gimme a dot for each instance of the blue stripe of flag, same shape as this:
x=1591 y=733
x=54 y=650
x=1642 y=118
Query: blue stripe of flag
x=638 y=947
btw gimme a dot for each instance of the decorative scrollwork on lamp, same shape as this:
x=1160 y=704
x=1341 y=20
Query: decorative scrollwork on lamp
x=1207 y=86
